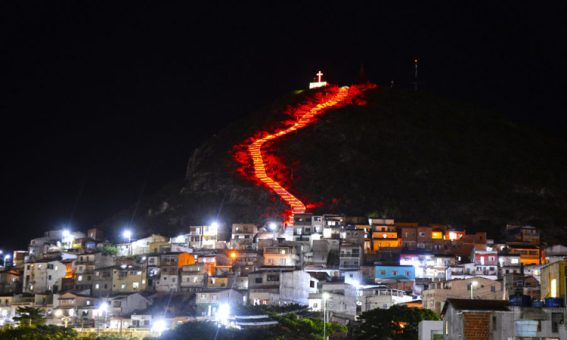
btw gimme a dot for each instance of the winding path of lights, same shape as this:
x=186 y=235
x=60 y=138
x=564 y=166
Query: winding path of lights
x=305 y=117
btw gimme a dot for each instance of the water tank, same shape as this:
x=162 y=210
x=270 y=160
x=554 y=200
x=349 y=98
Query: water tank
x=520 y=300
x=553 y=302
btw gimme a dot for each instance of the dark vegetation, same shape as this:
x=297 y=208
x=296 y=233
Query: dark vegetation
x=410 y=156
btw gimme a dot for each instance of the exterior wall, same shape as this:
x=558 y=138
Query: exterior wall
x=167 y=283
x=434 y=298
x=394 y=272
x=350 y=256
x=208 y=302
x=41 y=277
x=553 y=279
x=294 y=287
x=427 y=328
x=273 y=256
x=128 y=280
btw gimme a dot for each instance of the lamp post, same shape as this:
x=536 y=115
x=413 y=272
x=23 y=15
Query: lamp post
x=127 y=234
x=325 y=296
x=473 y=284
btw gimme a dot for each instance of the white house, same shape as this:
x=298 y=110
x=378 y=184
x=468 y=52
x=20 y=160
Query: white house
x=42 y=277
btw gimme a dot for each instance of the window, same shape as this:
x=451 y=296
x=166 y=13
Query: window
x=135 y=285
x=493 y=289
x=493 y=322
x=556 y=319
x=273 y=278
x=312 y=285
x=97 y=286
x=123 y=286
x=258 y=280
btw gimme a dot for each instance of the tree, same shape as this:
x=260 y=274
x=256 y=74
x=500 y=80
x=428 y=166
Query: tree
x=40 y=332
x=396 y=323
x=29 y=316
x=109 y=249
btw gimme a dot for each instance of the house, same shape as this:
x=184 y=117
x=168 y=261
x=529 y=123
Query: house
x=295 y=287
x=553 y=280
x=84 y=268
x=427 y=265
x=264 y=286
x=280 y=255
x=398 y=277
x=437 y=293
x=170 y=263
x=525 y=234
x=45 y=276
x=126 y=304
x=209 y=301
x=243 y=236
x=128 y=279
x=495 y=320
x=10 y=281
x=203 y=237
x=76 y=306
x=472 y=319
x=350 y=256
x=193 y=277
x=102 y=281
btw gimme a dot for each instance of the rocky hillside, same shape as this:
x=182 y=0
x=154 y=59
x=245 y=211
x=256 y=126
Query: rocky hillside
x=410 y=156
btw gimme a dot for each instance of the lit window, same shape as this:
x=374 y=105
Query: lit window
x=136 y=285
x=123 y=286
x=80 y=278
x=97 y=286
x=554 y=288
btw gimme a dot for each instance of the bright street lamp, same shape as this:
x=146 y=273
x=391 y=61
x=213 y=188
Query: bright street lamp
x=159 y=326
x=223 y=313
x=127 y=234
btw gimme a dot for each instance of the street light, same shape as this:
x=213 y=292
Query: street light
x=159 y=326
x=325 y=296
x=473 y=284
x=103 y=309
x=127 y=234
x=223 y=312
x=6 y=258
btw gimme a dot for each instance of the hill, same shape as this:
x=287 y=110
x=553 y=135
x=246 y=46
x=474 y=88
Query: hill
x=406 y=155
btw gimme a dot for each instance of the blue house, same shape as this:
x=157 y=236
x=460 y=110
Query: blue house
x=394 y=273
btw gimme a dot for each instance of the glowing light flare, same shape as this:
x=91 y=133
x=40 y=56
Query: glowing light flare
x=305 y=114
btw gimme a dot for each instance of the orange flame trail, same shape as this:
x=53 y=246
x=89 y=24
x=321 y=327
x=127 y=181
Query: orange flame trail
x=305 y=114
x=255 y=151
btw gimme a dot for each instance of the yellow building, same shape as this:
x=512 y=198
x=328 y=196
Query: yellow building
x=553 y=280
x=385 y=239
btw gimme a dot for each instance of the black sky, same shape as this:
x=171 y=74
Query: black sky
x=101 y=100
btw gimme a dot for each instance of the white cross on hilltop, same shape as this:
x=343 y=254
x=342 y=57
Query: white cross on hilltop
x=319 y=82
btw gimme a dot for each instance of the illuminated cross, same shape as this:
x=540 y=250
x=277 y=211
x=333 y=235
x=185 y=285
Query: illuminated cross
x=319 y=74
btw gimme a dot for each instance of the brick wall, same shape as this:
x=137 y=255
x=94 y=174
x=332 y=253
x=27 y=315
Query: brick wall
x=476 y=326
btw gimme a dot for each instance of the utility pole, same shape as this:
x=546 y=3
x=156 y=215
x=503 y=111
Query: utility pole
x=415 y=76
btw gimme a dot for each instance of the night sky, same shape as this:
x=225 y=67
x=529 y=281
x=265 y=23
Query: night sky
x=103 y=102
